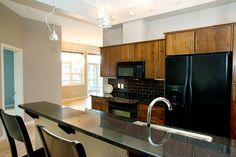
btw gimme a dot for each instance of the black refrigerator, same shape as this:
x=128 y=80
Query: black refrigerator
x=199 y=89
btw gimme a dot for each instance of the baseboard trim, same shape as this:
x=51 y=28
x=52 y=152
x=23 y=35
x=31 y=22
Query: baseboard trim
x=76 y=98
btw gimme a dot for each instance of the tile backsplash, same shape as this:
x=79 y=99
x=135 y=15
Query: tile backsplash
x=142 y=90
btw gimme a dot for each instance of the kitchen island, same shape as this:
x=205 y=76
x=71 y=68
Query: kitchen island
x=106 y=135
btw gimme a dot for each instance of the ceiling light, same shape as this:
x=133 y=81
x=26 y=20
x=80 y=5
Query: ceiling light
x=151 y=8
x=131 y=13
x=177 y=1
x=53 y=36
x=103 y=18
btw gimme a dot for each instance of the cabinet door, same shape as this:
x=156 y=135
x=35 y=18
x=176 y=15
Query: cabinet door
x=234 y=56
x=139 y=52
x=180 y=43
x=158 y=114
x=214 y=39
x=151 y=51
x=104 y=62
x=159 y=59
x=125 y=52
x=233 y=112
x=114 y=56
x=99 y=103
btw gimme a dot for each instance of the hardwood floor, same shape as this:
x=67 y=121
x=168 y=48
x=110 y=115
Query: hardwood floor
x=80 y=104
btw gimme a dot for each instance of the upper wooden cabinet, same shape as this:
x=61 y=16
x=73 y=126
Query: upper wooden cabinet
x=139 y=52
x=104 y=62
x=152 y=52
x=234 y=56
x=202 y=40
x=159 y=60
x=214 y=39
x=180 y=43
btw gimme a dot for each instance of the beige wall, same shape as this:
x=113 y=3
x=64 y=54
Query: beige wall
x=42 y=66
x=69 y=92
x=41 y=57
x=10 y=33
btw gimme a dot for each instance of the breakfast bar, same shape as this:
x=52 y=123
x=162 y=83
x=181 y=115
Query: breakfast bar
x=106 y=135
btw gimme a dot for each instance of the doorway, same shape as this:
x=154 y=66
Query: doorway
x=12 y=79
x=95 y=83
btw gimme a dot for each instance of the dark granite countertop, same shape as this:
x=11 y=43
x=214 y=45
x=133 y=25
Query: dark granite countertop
x=129 y=136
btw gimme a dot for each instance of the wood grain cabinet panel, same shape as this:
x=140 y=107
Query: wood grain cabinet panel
x=114 y=57
x=234 y=56
x=233 y=112
x=100 y=103
x=126 y=51
x=139 y=52
x=158 y=114
x=214 y=39
x=180 y=43
x=150 y=52
x=104 y=62
x=160 y=64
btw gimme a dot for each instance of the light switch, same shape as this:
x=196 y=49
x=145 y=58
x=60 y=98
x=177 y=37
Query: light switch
x=122 y=86
x=118 y=85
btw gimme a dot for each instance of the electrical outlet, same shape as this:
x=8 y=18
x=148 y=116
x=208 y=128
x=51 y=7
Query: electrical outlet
x=118 y=85
x=122 y=86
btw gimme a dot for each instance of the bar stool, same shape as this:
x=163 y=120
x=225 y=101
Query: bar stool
x=56 y=146
x=16 y=130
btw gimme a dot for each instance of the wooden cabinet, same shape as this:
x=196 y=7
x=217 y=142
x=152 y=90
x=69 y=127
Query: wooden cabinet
x=178 y=43
x=104 y=62
x=139 y=52
x=152 y=52
x=158 y=114
x=214 y=39
x=100 y=103
x=233 y=112
x=159 y=60
x=202 y=40
x=234 y=57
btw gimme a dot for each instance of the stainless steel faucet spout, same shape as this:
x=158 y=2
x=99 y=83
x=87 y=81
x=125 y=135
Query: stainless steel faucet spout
x=149 y=112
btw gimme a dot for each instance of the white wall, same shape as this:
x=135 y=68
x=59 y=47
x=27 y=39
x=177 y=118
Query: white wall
x=113 y=36
x=201 y=18
x=155 y=28
x=134 y=31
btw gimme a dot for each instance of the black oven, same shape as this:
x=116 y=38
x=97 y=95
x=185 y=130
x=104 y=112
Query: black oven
x=123 y=107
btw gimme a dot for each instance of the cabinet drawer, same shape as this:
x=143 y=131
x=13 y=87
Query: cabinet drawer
x=158 y=114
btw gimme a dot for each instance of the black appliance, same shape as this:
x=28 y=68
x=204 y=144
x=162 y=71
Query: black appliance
x=123 y=107
x=199 y=89
x=130 y=70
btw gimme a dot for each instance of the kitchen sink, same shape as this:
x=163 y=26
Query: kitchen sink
x=177 y=131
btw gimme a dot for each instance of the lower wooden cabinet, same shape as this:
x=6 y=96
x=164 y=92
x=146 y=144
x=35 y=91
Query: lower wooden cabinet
x=100 y=103
x=158 y=114
x=233 y=112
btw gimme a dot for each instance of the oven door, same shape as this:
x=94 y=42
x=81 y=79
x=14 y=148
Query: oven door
x=123 y=110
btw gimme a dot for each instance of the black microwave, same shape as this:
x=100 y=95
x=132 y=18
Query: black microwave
x=130 y=70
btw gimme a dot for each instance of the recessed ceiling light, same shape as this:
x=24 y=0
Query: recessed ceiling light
x=131 y=12
x=151 y=8
x=177 y=1
x=112 y=17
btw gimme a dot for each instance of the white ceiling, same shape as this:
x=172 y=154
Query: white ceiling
x=78 y=18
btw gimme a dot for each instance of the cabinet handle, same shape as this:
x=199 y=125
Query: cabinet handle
x=196 y=43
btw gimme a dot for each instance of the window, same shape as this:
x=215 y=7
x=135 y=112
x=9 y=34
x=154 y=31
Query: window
x=95 y=82
x=72 y=68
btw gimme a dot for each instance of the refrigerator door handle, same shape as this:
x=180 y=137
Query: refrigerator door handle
x=190 y=93
x=186 y=81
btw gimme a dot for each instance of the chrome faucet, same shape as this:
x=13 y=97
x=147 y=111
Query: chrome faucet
x=149 y=112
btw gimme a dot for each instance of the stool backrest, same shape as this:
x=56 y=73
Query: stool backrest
x=56 y=146
x=16 y=130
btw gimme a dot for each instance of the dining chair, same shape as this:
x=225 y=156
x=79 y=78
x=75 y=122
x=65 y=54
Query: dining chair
x=56 y=146
x=16 y=130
